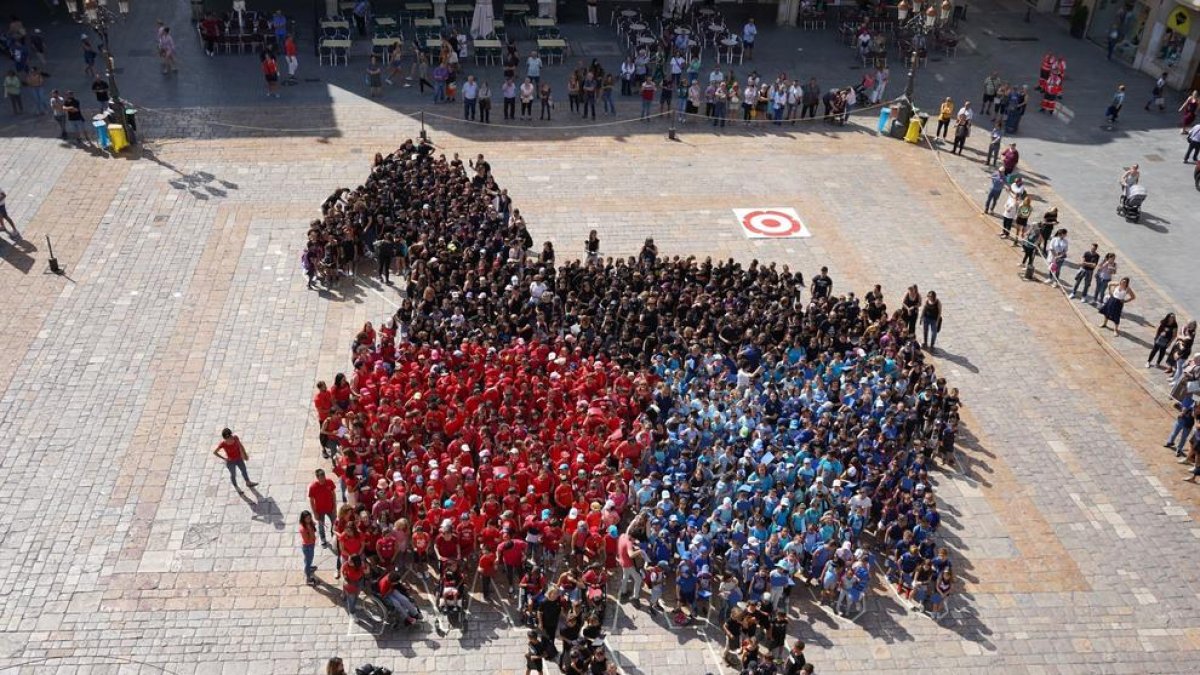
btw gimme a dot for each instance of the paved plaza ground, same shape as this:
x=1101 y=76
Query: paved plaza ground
x=183 y=310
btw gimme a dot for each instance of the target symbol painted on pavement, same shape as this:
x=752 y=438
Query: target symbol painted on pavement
x=771 y=223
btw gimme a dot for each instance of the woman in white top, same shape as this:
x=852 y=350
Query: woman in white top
x=1115 y=304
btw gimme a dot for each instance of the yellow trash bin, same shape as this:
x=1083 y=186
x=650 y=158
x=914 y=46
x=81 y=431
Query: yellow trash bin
x=117 y=134
x=912 y=136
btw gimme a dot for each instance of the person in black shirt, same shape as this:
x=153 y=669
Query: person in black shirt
x=535 y=654
x=100 y=89
x=569 y=634
x=777 y=633
x=548 y=612
x=733 y=632
x=74 y=116
x=821 y=284
x=794 y=664
x=385 y=253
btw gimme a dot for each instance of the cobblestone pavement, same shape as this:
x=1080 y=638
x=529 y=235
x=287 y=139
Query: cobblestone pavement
x=183 y=311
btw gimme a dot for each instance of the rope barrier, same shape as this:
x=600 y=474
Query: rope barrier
x=416 y=112
x=84 y=658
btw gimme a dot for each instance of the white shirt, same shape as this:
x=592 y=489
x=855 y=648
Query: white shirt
x=749 y=32
x=1194 y=134
x=965 y=112
x=676 y=65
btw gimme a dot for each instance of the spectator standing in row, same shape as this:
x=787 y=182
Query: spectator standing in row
x=1119 y=295
x=1087 y=269
x=995 y=140
x=470 y=94
x=991 y=87
x=1105 y=272
x=485 y=103
x=1164 y=336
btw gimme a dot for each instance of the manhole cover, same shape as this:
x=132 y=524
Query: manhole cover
x=1154 y=158
x=160 y=219
x=1017 y=38
x=936 y=193
x=199 y=535
x=312 y=79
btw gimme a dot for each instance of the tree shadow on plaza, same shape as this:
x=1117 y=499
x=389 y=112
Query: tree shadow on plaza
x=199 y=184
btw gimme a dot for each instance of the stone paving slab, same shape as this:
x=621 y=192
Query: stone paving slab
x=189 y=313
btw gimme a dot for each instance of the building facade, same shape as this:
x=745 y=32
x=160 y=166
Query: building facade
x=1154 y=36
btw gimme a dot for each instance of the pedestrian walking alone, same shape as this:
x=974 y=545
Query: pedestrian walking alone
x=374 y=77
x=235 y=455
x=1156 y=94
x=5 y=219
x=1114 y=106
x=1193 y=141
x=166 y=49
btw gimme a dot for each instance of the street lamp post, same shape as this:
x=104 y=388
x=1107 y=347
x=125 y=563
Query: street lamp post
x=97 y=15
x=920 y=25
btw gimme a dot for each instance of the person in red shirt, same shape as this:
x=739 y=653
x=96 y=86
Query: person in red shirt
x=289 y=54
x=445 y=546
x=353 y=572
x=487 y=570
x=322 y=497
x=234 y=453
x=270 y=71
x=323 y=401
x=512 y=554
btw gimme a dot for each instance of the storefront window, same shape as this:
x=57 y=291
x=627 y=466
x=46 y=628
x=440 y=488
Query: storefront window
x=1171 y=49
x=1118 y=25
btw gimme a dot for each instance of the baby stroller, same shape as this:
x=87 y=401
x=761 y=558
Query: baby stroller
x=1131 y=203
x=451 y=600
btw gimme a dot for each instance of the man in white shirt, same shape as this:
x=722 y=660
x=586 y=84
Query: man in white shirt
x=965 y=111
x=1193 y=139
x=716 y=76
x=470 y=92
x=676 y=68
x=749 y=33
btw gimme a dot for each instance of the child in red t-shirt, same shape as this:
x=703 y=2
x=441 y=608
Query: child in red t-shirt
x=487 y=570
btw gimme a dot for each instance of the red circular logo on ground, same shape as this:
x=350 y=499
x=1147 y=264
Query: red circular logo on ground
x=771 y=223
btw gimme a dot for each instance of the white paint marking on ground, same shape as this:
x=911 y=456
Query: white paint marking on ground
x=386 y=299
x=970 y=43
x=938 y=77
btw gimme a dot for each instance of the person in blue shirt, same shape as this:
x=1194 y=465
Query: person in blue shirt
x=685 y=589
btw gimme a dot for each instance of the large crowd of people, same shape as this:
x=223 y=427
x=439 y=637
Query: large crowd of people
x=704 y=436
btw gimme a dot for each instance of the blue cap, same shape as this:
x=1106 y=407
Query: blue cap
x=612 y=530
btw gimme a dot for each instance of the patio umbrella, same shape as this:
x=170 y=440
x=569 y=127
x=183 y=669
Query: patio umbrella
x=482 y=23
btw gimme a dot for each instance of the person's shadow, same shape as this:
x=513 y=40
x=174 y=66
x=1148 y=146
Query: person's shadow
x=264 y=508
